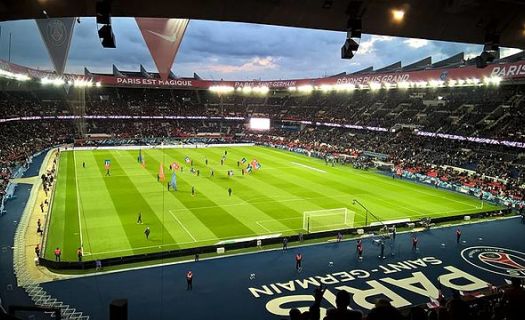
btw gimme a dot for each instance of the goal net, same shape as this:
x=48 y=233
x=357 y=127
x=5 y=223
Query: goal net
x=326 y=220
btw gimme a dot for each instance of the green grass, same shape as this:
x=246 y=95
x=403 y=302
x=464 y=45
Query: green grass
x=102 y=211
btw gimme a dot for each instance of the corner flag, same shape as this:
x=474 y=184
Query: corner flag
x=161 y=173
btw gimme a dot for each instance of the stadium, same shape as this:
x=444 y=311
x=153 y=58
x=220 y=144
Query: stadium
x=386 y=192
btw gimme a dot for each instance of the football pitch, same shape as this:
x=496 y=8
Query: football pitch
x=100 y=212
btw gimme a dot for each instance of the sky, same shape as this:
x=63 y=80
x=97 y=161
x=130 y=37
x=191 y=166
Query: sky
x=227 y=50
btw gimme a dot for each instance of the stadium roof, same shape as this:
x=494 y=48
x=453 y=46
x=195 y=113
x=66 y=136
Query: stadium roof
x=453 y=20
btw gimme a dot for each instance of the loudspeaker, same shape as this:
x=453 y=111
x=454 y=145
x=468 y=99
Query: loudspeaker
x=105 y=33
x=349 y=48
x=118 y=309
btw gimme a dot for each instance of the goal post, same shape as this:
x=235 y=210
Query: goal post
x=328 y=219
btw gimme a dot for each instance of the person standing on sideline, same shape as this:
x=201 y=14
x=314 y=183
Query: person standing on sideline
x=139 y=218
x=339 y=237
x=58 y=253
x=458 y=235
x=192 y=191
x=359 y=244
x=37 y=251
x=79 y=254
x=394 y=232
x=414 y=243
x=229 y=192
x=147 y=232
x=382 y=245
x=189 y=280
x=298 y=262
x=360 y=253
x=285 y=244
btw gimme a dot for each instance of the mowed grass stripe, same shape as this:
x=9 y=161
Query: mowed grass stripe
x=71 y=238
x=128 y=201
x=164 y=202
x=393 y=189
x=214 y=217
x=61 y=233
x=266 y=193
x=265 y=208
x=296 y=182
x=98 y=213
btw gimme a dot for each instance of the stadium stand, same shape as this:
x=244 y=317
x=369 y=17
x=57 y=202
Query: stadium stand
x=474 y=112
x=355 y=128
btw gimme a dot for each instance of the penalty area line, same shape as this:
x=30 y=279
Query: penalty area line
x=183 y=227
x=308 y=167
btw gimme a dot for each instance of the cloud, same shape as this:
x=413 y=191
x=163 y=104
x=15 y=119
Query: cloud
x=505 y=52
x=254 y=64
x=368 y=46
x=416 y=43
x=233 y=51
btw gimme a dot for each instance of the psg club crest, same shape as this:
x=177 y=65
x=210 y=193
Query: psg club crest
x=443 y=76
x=505 y=262
x=56 y=32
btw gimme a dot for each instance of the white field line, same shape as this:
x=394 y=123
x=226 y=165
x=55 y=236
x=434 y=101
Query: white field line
x=259 y=202
x=183 y=226
x=78 y=203
x=260 y=225
x=308 y=167
x=227 y=256
x=414 y=188
x=417 y=189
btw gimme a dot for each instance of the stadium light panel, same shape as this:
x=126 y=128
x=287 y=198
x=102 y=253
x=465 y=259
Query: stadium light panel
x=421 y=84
x=261 y=90
x=82 y=83
x=56 y=82
x=98 y=84
x=344 y=87
x=222 y=89
x=16 y=76
x=388 y=85
x=436 y=83
x=492 y=80
x=397 y=15
x=374 y=85
x=306 y=88
x=403 y=85
x=292 y=88
x=326 y=87
x=247 y=90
